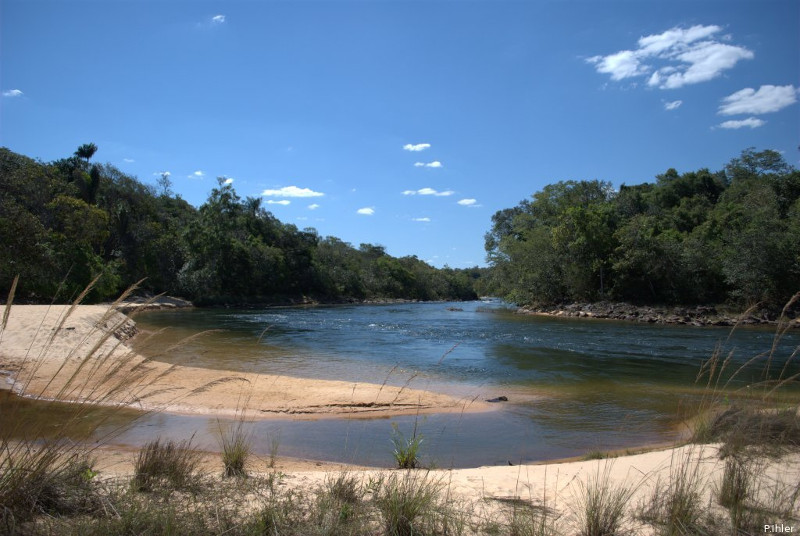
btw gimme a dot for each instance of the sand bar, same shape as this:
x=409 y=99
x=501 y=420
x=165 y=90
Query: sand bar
x=80 y=354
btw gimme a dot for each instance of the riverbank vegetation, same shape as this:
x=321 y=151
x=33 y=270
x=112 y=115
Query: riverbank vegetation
x=84 y=219
x=724 y=237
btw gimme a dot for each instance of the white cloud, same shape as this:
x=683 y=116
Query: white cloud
x=467 y=202
x=428 y=191
x=705 y=62
x=218 y=19
x=292 y=191
x=196 y=175
x=434 y=164
x=751 y=122
x=674 y=58
x=160 y=173
x=128 y=160
x=12 y=93
x=283 y=202
x=767 y=99
x=313 y=206
x=228 y=181
x=417 y=147
x=366 y=211
x=672 y=105
x=421 y=219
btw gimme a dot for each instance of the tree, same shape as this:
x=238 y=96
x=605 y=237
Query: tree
x=86 y=151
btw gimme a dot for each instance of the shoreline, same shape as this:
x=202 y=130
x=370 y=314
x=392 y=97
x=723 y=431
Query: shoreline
x=79 y=354
x=698 y=316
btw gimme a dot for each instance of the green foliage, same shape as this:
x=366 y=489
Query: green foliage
x=698 y=237
x=169 y=463
x=70 y=217
x=406 y=450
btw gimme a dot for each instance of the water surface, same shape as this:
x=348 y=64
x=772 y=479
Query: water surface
x=574 y=385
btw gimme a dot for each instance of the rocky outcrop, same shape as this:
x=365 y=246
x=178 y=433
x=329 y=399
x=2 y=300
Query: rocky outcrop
x=694 y=316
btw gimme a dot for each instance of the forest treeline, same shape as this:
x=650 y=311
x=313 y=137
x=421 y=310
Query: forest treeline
x=730 y=236
x=65 y=222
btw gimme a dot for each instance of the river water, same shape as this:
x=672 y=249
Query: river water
x=573 y=385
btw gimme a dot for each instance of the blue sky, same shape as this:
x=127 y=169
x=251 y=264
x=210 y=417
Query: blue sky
x=401 y=123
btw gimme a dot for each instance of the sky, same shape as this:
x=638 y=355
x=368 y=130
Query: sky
x=401 y=123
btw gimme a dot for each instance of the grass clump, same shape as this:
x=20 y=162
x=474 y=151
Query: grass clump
x=406 y=450
x=409 y=503
x=600 y=505
x=676 y=507
x=236 y=443
x=169 y=463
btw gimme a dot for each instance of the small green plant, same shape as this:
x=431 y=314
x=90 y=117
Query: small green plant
x=171 y=463
x=406 y=450
x=235 y=441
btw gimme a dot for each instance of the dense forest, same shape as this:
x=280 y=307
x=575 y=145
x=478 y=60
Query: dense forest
x=730 y=236
x=66 y=222
x=702 y=237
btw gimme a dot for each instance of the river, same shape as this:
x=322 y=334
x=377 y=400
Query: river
x=573 y=385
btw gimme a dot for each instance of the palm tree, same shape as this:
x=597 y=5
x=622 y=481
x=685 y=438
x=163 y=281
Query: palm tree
x=86 y=151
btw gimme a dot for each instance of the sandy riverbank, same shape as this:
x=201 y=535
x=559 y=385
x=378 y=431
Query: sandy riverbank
x=80 y=354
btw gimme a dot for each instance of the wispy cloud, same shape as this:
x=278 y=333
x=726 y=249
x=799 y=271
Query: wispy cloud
x=673 y=105
x=217 y=19
x=428 y=191
x=283 y=202
x=292 y=191
x=421 y=219
x=674 y=58
x=765 y=100
x=434 y=164
x=416 y=147
x=468 y=202
x=12 y=93
x=752 y=122
x=366 y=211
x=313 y=206
x=128 y=160
x=196 y=175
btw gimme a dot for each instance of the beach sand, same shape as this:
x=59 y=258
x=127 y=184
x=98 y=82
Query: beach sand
x=80 y=354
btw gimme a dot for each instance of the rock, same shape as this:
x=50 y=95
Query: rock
x=498 y=399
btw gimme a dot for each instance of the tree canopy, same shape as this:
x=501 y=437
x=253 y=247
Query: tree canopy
x=697 y=237
x=64 y=223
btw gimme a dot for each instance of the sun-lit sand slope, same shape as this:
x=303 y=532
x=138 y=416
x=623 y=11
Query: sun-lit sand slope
x=79 y=354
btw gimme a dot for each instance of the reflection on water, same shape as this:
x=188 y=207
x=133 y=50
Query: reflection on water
x=573 y=385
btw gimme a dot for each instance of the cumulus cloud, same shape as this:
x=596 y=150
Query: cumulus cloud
x=12 y=93
x=434 y=164
x=283 y=202
x=366 y=211
x=421 y=219
x=313 y=206
x=291 y=191
x=766 y=99
x=218 y=19
x=674 y=58
x=416 y=147
x=196 y=175
x=228 y=181
x=428 y=191
x=467 y=202
x=752 y=122
x=672 y=105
